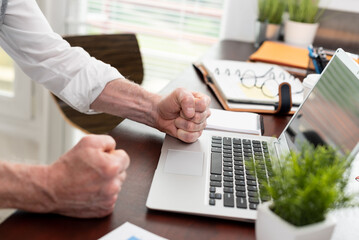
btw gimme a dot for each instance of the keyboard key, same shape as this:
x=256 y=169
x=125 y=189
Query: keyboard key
x=228 y=164
x=218 y=196
x=227 y=159
x=212 y=189
x=228 y=174
x=215 y=184
x=253 y=206
x=217 y=141
x=248 y=154
x=246 y=141
x=252 y=182
x=252 y=188
x=227 y=141
x=215 y=177
x=241 y=194
x=239 y=172
x=257 y=146
x=236 y=167
x=217 y=150
x=241 y=202
x=257 y=149
x=238 y=161
x=239 y=177
x=228 y=179
x=250 y=177
x=237 y=146
x=217 y=145
x=252 y=194
x=227 y=147
x=216 y=163
x=212 y=202
x=265 y=198
x=240 y=183
x=228 y=200
x=212 y=195
x=228 y=169
x=240 y=188
x=228 y=184
x=229 y=151
x=228 y=190
x=237 y=141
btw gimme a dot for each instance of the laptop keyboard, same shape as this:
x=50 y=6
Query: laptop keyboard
x=233 y=178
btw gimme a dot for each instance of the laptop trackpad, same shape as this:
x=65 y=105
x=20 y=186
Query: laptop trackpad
x=184 y=162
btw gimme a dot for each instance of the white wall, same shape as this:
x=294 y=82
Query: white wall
x=238 y=20
x=240 y=15
x=342 y=5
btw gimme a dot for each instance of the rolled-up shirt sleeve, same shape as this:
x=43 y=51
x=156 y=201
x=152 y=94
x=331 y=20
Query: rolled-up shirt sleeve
x=69 y=72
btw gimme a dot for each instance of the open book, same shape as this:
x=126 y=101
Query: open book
x=250 y=86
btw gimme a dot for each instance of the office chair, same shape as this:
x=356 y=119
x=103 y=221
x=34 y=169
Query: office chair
x=120 y=51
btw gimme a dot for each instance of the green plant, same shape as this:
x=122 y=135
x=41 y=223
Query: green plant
x=271 y=11
x=306 y=11
x=309 y=183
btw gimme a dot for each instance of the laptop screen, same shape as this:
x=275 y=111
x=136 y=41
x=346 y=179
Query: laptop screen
x=330 y=114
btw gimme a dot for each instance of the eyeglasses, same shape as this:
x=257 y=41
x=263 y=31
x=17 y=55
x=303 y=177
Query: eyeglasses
x=268 y=82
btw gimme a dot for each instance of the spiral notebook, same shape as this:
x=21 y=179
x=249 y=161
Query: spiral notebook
x=249 y=86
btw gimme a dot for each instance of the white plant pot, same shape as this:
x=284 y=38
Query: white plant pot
x=271 y=227
x=300 y=34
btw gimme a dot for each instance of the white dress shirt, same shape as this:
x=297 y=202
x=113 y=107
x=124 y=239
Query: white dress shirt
x=68 y=72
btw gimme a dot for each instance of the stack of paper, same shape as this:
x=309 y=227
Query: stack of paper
x=242 y=122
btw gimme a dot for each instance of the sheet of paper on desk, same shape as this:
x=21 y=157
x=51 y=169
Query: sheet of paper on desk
x=129 y=231
x=242 y=122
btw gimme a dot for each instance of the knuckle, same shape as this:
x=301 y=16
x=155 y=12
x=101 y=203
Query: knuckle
x=88 y=139
x=123 y=160
x=123 y=176
x=189 y=138
x=114 y=188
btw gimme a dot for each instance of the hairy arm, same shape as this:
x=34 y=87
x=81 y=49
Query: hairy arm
x=84 y=182
x=181 y=114
x=24 y=187
x=127 y=99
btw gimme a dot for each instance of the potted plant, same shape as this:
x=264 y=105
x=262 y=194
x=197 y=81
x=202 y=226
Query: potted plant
x=269 y=20
x=277 y=8
x=304 y=187
x=302 y=25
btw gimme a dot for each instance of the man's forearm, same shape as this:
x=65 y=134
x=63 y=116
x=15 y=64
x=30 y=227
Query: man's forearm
x=24 y=187
x=126 y=99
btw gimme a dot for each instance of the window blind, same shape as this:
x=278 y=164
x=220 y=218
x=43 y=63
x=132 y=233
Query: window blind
x=171 y=33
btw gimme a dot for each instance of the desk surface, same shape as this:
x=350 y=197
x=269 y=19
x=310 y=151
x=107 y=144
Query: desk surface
x=143 y=145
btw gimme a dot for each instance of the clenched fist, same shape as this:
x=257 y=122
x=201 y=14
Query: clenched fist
x=86 y=180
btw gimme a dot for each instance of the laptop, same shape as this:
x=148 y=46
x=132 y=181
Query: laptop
x=211 y=176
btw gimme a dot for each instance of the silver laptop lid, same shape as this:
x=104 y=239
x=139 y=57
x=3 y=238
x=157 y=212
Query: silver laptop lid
x=330 y=113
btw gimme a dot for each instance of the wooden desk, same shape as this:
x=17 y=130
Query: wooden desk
x=143 y=145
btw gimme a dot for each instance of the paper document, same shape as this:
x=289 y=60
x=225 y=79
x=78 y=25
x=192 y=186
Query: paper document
x=242 y=122
x=129 y=231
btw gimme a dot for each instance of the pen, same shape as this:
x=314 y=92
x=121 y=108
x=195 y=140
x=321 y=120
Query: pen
x=258 y=103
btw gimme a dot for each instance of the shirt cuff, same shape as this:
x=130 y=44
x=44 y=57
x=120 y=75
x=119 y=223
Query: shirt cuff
x=88 y=84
